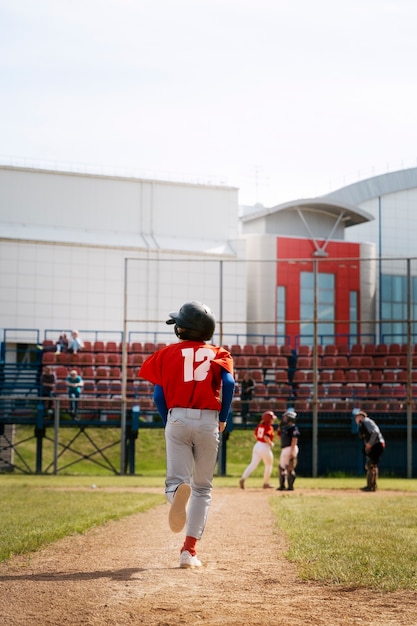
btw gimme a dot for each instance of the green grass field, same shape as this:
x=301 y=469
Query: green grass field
x=344 y=537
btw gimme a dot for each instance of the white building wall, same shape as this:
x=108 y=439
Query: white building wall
x=262 y=274
x=64 y=239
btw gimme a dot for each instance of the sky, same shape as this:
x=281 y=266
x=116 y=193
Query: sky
x=284 y=99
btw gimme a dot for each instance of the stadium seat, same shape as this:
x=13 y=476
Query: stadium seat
x=240 y=362
x=261 y=349
x=304 y=363
x=355 y=361
x=301 y=406
x=343 y=350
x=379 y=362
x=89 y=388
x=136 y=347
x=304 y=350
x=338 y=376
x=248 y=349
x=88 y=372
x=257 y=375
x=102 y=372
x=115 y=388
x=87 y=358
x=389 y=376
x=48 y=358
x=115 y=373
x=342 y=362
x=281 y=376
x=325 y=377
x=395 y=349
x=376 y=376
x=114 y=359
x=364 y=376
x=61 y=372
x=392 y=362
x=356 y=350
x=351 y=376
x=367 y=361
x=328 y=362
x=300 y=377
x=330 y=350
x=281 y=362
x=260 y=390
x=273 y=350
x=254 y=362
x=98 y=346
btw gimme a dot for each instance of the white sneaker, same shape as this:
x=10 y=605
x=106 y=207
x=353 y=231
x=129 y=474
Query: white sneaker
x=187 y=560
x=178 y=511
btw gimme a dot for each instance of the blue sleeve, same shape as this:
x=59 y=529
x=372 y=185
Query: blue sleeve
x=161 y=405
x=227 y=395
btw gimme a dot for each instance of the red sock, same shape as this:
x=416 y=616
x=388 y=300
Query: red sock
x=190 y=544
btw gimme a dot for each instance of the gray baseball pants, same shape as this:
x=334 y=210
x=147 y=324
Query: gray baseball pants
x=192 y=441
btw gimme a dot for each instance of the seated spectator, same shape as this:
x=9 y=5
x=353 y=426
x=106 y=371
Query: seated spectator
x=75 y=384
x=59 y=346
x=47 y=387
x=62 y=344
x=75 y=343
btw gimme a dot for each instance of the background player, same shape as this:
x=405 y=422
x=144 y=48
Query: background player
x=289 y=433
x=194 y=387
x=373 y=447
x=262 y=450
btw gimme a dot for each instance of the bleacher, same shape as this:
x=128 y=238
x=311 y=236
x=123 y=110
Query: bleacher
x=373 y=376
x=100 y=365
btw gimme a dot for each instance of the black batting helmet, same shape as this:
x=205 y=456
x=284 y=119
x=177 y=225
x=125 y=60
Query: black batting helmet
x=195 y=320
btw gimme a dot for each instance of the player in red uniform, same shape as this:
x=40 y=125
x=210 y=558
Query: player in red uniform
x=193 y=392
x=262 y=450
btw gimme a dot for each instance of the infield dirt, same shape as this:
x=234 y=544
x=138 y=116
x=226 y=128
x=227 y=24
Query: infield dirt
x=126 y=573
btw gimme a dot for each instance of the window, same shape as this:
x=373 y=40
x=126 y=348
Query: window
x=353 y=316
x=281 y=305
x=394 y=307
x=325 y=306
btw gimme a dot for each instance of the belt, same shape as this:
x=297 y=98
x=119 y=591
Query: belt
x=193 y=413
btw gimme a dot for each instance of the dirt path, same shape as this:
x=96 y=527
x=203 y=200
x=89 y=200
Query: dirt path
x=126 y=573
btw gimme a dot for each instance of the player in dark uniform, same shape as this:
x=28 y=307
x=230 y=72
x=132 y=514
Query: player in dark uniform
x=289 y=433
x=373 y=447
x=194 y=387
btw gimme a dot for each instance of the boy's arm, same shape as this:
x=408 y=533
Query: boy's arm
x=161 y=405
x=227 y=394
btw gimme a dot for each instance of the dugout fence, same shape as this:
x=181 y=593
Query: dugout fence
x=335 y=322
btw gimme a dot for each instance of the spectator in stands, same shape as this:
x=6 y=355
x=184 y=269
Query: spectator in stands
x=62 y=343
x=59 y=346
x=75 y=343
x=373 y=447
x=292 y=367
x=246 y=393
x=262 y=450
x=47 y=387
x=75 y=384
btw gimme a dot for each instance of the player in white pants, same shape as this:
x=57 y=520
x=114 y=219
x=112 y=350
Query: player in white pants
x=262 y=450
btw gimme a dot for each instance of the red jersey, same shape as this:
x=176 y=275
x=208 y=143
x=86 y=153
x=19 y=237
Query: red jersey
x=264 y=429
x=189 y=373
